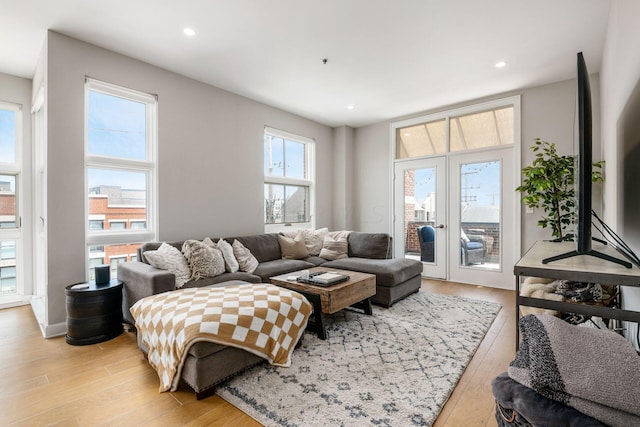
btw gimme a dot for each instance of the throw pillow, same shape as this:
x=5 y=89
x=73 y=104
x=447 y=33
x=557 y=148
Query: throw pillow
x=171 y=259
x=341 y=234
x=230 y=261
x=314 y=240
x=204 y=260
x=293 y=248
x=246 y=260
x=334 y=248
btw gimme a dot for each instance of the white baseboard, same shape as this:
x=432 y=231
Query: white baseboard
x=55 y=330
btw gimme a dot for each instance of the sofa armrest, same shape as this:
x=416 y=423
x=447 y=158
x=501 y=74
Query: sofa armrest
x=142 y=280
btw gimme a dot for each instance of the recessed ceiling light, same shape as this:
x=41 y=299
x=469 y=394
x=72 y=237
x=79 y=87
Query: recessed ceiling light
x=501 y=64
x=189 y=32
x=350 y=107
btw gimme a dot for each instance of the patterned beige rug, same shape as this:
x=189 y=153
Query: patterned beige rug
x=395 y=368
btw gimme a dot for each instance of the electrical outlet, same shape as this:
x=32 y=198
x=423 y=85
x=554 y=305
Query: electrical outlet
x=528 y=209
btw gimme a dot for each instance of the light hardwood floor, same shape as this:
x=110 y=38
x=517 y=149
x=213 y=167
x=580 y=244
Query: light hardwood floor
x=47 y=382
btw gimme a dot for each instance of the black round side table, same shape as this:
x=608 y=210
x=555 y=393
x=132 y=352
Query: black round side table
x=94 y=312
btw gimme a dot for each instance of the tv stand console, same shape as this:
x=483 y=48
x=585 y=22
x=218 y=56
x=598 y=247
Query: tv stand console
x=578 y=268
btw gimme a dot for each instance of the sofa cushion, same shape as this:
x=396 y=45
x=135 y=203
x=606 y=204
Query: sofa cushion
x=389 y=272
x=264 y=247
x=369 y=245
x=168 y=257
x=223 y=278
x=293 y=247
x=315 y=260
x=337 y=248
x=281 y=266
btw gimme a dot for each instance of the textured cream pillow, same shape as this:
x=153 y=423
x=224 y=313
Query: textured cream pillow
x=230 y=261
x=246 y=260
x=314 y=240
x=293 y=248
x=204 y=260
x=334 y=248
x=171 y=259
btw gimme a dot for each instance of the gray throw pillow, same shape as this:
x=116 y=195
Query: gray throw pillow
x=204 y=260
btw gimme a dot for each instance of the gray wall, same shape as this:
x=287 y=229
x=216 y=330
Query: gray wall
x=621 y=131
x=18 y=91
x=547 y=112
x=210 y=167
x=343 y=178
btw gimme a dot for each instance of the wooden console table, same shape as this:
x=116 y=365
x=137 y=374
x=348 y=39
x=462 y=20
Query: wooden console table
x=582 y=268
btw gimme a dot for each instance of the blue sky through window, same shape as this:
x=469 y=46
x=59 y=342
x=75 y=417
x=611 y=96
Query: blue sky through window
x=287 y=158
x=7 y=136
x=479 y=182
x=116 y=127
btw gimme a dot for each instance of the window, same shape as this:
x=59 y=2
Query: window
x=288 y=180
x=117 y=225
x=10 y=194
x=459 y=130
x=95 y=224
x=120 y=165
x=138 y=225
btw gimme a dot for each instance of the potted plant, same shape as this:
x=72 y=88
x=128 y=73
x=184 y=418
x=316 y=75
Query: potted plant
x=549 y=184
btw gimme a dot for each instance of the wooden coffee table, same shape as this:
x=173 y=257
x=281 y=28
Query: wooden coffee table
x=355 y=292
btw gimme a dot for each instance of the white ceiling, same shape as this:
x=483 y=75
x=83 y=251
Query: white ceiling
x=386 y=58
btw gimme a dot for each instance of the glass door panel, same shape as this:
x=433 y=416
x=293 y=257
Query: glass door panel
x=420 y=214
x=480 y=214
x=484 y=239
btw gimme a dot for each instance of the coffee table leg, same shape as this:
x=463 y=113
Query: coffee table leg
x=364 y=305
x=367 y=306
x=318 y=317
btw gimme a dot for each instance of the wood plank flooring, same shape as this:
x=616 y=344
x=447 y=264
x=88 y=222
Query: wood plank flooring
x=48 y=382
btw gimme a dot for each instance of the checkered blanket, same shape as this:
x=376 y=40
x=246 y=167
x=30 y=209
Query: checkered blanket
x=260 y=318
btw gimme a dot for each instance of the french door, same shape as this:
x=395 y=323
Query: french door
x=421 y=213
x=458 y=215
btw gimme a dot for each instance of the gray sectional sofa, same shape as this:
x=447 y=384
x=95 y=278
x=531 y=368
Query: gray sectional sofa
x=208 y=364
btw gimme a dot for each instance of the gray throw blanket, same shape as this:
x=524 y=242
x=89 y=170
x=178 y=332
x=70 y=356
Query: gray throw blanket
x=594 y=371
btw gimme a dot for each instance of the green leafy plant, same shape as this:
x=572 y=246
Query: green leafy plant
x=549 y=184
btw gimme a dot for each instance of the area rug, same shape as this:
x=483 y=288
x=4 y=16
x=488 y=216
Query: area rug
x=394 y=368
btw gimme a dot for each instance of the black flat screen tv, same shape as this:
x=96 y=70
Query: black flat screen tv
x=585 y=161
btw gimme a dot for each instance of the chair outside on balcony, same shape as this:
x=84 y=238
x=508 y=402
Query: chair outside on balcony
x=427 y=237
x=473 y=248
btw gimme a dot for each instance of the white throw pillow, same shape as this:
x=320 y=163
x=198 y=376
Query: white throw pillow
x=171 y=259
x=246 y=260
x=230 y=261
x=204 y=260
x=334 y=248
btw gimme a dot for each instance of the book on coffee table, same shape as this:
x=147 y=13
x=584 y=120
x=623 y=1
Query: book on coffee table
x=328 y=278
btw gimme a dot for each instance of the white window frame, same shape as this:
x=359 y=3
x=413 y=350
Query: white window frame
x=308 y=181
x=15 y=233
x=148 y=166
x=512 y=101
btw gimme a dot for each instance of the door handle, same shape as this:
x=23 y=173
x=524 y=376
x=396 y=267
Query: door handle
x=441 y=226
